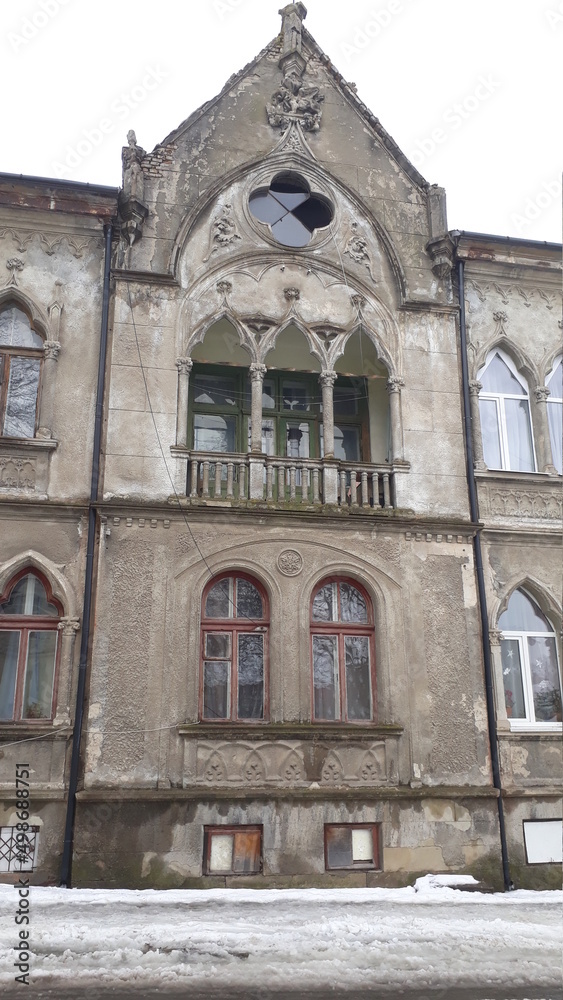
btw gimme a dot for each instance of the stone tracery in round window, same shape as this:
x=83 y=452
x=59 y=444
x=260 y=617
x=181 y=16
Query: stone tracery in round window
x=291 y=210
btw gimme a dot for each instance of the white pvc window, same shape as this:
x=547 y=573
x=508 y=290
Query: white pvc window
x=554 y=383
x=543 y=841
x=504 y=406
x=530 y=671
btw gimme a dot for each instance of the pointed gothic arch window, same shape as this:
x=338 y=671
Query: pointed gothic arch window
x=554 y=382
x=21 y=353
x=29 y=620
x=504 y=406
x=530 y=670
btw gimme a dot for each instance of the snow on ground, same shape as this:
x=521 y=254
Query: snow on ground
x=427 y=936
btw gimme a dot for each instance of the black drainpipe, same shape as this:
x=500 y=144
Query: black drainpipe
x=66 y=864
x=474 y=509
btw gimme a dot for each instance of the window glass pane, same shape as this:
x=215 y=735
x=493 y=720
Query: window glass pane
x=512 y=679
x=295 y=395
x=346 y=400
x=249 y=601
x=297 y=439
x=325 y=676
x=523 y=615
x=324 y=604
x=519 y=432
x=497 y=377
x=268 y=436
x=39 y=675
x=555 y=382
x=28 y=597
x=221 y=854
x=545 y=679
x=347 y=443
x=268 y=395
x=362 y=845
x=555 y=419
x=352 y=605
x=247 y=852
x=219 y=603
x=21 y=404
x=218 y=645
x=15 y=329
x=216 y=689
x=212 y=390
x=214 y=433
x=291 y=232
x=490 y=433
x=9 y=652
x=339 y=847
x=358 y=686
x=251 y=676
x=266 y=208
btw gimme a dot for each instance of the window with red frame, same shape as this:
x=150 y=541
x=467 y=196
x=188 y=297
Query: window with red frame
x=235 y=850
x=352 y=846
x=29 y=618
x=234 y=651
x=342 y=649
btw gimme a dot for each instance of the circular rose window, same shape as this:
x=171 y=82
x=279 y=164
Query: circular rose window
x=292 y=212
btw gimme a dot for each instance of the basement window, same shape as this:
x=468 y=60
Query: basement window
x=292 y=212
x=352 y=847
x=235 y=850
x=18 y=849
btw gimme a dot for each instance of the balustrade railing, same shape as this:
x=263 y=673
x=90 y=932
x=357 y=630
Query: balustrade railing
x=310 y=482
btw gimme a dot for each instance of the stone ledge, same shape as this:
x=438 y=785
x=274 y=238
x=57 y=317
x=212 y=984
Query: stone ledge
x=357 y=795
x=17 y=731
x=534 y=792
x=37 y=794
x=233 y=732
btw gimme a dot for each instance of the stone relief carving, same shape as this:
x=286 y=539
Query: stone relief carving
x=290 y=562
x=47 y=244
x=505 y=291
x=522 y=503
x=283 y=763
x=223 y=232
x=17 y=473
x=14 y=265
x=295 y=101
x=356 y=247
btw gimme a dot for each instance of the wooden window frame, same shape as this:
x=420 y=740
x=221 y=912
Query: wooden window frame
x=375 y=865
x=210 y=831
x=24 y=624
x=343 y=630
x=235 y=626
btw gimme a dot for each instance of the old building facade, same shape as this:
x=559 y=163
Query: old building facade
x=262 y=621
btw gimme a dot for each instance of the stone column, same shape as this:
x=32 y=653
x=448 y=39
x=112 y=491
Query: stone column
x=52 y=348
x=495 y=636
x=478 y=458
x=327 y=379
x=541 y=436
x=257 y=373
x=184 y=366
x=68 y=629
x=394 y=385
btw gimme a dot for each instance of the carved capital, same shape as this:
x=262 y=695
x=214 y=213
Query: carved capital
x=541 y=392
x=69 y=626
x=495 y=636
x=475 y=387
x=257 y=372
x=395 y=383
x=327 y=377
x=52 y=349
x=184 y=365
x=358 y=301
x=500 y=317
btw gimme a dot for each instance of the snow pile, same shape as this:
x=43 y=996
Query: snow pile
x=429 y=936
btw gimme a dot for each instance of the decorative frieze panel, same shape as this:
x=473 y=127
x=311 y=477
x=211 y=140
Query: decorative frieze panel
x=17 y=473
x=284 y=764
x=519 y=502
x=507 y=293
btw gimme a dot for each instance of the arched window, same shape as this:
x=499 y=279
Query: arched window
x=234 y=650
x=532 y=686
x=29 y=618
x=21 y=352
x=504 y=407
x=554 y=383
x=342 y=641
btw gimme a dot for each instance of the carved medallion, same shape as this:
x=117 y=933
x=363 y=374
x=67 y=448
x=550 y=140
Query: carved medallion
x=290 y=562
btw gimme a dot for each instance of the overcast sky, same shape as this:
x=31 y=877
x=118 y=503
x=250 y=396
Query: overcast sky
x=470 y=91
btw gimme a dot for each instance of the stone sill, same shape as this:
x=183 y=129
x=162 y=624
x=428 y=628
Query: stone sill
x=38 y=793
x=523 y=478
x=552 y=733
x=533 y=791
x=338 y=793
x=28 y=444
x=26 y=730
x=288 y=731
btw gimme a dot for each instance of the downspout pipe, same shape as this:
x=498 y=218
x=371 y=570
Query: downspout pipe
x=66 y=864
x=474 y=509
